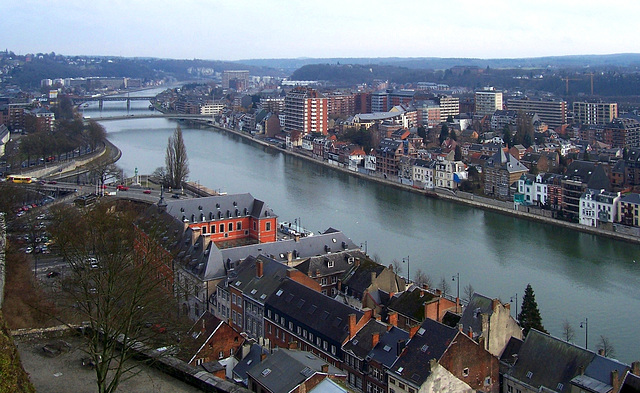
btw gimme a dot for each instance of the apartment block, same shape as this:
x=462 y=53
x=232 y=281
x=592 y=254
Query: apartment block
x=553 y=113
x=594 y=112
x=305 y=111
x=488 y=101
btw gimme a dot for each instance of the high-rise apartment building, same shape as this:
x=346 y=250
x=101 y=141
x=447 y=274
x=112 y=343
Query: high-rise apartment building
x=235 y=79
x=449 y=106
x=594 y=112
x=306 y=110
x=622 y=132
x=488 y=101
x=553 y=113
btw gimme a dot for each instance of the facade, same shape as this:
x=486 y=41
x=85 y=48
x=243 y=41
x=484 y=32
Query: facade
x=500 y=172
x=448 y=174
x=208 y=340
x=423 y=173
x=552 y=112
x=488 y=101
x=629 y=210
x=598 y=207
x=579 y=176
x=594 y=112
x=305 y=111
x=622 y=133
x=533 y=189
x=235 y=79
x=449 y=106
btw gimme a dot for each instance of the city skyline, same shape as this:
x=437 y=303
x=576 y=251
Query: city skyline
x=240 y=30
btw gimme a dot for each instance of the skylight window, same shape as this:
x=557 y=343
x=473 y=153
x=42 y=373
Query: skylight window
x=421 y=331
x=279 y=292
x=266 y=372
x=387 y=348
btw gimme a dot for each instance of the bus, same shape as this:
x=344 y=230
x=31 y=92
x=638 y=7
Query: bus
x=20 y=179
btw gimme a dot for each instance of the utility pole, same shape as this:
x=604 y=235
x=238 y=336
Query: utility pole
x=516 y=305
x=585 y=324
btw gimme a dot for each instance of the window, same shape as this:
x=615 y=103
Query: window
x=412 y=390
x=239 y=226
x=267 y=227
x=233 y=298
x=392 y=381
x=290 y=326
x=221 y=355
x=465 y=372
x=255 y=226
x=324 y=281
x=334 y=279
x=221 y=228
x=230 y=226
x=401 y=385
x=509 y=389
x=213 y=228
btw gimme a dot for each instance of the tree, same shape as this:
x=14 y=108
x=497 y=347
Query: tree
x=529 y=316
x=453 y=135
x=444 y=285
x=606 y=347
x=422 y=132
x=468 y=292
x=176 y=160
x=397 y=266
x=444 y=133
x=506 y=135
x=420 y=278
x=113 y=287
x=95 y=134
x=457 y=155
x=568 y=333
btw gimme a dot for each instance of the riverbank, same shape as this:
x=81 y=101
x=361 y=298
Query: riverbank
x=506 y=208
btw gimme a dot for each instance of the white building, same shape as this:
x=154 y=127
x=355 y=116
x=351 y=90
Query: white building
x=598 y=206
x=533 y=188
x=488 y=101
x=449 y=173
x=423 y=171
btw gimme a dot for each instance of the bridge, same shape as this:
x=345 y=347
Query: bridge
x=177 y=116
x=102 y=99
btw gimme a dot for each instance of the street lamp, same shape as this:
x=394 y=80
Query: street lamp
x=456 y=278
x=365 y=247
x=516 y=304
x=408 y=268
x=585 y=324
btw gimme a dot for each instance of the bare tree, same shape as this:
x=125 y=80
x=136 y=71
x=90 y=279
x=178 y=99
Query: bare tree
x=568 y=333
x=444 y=285
x=112 y=287
x=421 y=278
x=176 y=160
x=468 y=292
x=605 y=345
x=397 y=266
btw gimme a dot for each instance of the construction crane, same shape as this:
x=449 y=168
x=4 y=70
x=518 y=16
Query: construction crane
x=567 y=79
x=591 y=74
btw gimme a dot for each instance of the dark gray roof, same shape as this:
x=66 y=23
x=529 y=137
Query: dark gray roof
x=313 y=309
x=472 y=315
x=361 y=344
x=411 y=302
x=588 y=173
x=631 y=384
x=218 y=207
x=359 y=278
x=386 y=352
x=631 y=198
x=546 y=361
x=252 y=358
x=507 y=162
x=258 y=288
x=430 y=342
x=335 y=260
x=284 y=370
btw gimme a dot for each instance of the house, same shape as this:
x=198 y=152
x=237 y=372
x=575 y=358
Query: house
x=440 y=358
x=500 y=172
x=369 y=285
x=489 y=321
x=532 y=190
x=423 y=174
x=290 y=371
x=249 y=354
x=579 y=176
x=328 y=269
x=388 y=155
x=413 y=306
x=210 y=339
x=318 y=323
x=386 y=347
x=598 y=207
x=449 y=173
x=546 y=363
x=629 y=209
x=356 y=353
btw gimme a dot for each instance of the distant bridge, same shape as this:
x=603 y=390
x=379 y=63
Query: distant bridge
x=178 y=116
x=102 y=99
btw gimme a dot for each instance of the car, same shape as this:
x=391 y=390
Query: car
x=146 y=192
x=104 y=186
x=175 y=196
x=28 y=250
x=53 y=182
x=53 y=274
x=121 y=187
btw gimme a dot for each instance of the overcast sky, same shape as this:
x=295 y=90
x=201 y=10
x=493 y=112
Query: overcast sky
x=245 y=29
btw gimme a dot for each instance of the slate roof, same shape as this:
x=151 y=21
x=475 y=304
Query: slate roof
x=362 y=343
x=257 y=288
x=430 y=342
x=507 y=162
x=198 y=335
x=386 y=352
x=252 y=358
x=284 y=370
x=359 y=278
x=597 y=376
x=411 y=303
x=218 y=207
x=631 y=384
x=327 y=386
x=471 y=317
x=547 y=361
x=388 y=146
x=313 y=309
x=631 y=198
x=510 y=353
x=588 y=173
x=339 y=260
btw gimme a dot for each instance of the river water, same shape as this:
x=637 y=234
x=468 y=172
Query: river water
x=574 y=275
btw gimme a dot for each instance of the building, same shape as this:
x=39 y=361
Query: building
x=208 y=340
x=598 y=207
x=306 y=112
x=622 y=133
x=235 y=79
x=594 y=112
x=449 y=106
x=629 y=210
x=552 y=112
x=411 y=307
x=340 y=104
x=579 y=176
x=500 y=172
x=488 y=101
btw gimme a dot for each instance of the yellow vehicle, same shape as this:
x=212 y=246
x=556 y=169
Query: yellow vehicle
x=21 y=179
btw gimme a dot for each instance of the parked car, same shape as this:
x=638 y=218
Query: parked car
x=120 y=187
x=146 y=192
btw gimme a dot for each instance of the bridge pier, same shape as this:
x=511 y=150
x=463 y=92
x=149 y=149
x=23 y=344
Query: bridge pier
x=100 y=102
x=128 y=104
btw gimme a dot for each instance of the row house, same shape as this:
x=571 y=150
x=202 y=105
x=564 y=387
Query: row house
x=411 y=307
x=579 y=176
x=388 y=155
x=328 y=269
x=500 y=172
x=442 y=358
x=318 y=323
x=626 y=172
x=629 y=210
x=357 y=358
x=598 y=207
x=210 y=340
x=548 y=364
x=448 y=174
x=423 y=173
x=533 y=189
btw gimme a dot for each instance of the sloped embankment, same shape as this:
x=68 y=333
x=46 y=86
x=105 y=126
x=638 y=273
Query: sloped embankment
x=13 y=378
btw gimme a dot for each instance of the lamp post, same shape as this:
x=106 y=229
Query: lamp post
x=456 y=278
x=365 y=247
x=516 y=296
x=585 y=324
x=408 y=268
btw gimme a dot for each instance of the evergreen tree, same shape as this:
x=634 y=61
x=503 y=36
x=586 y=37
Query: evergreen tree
x=176 y=160
x=444 y=133
x=530 y=317
x=458 y=153
x=506 y=135
x=453 y=135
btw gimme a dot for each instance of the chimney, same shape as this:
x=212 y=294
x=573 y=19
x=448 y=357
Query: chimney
x=289 y=257
x=438 y=292
x=470 y=332
x=393 y=319
x=635 y=368
x=317 y=272
x=373 y=277
x=485 y=324
x=401 y=345
x=259 y=269
x=378 y=317
x=368 y=314
x=425 y=287
x=601 y=352
x=507 y=306
x=460 y=327
x=615 y=381
x=494 y=304
x=246 y=348
x=357 y=262
x=413 y=330
x=375 y=338
x=325 y=368
x=204 y=326
x=263 y=356
x=352 y=325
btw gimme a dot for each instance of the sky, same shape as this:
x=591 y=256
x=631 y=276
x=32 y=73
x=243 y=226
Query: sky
x=245 y=29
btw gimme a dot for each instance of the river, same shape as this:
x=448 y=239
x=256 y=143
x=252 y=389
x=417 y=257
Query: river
x=574 y=275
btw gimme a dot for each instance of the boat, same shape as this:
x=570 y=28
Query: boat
x=293 y=229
